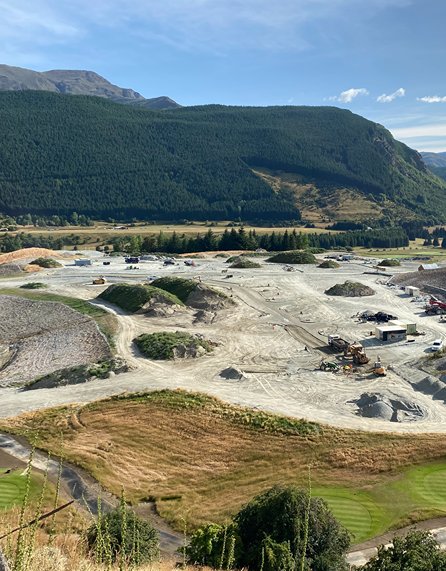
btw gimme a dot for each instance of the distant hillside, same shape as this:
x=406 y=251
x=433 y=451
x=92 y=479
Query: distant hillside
x=434 y=159
x=61 y=154
x=75 y=82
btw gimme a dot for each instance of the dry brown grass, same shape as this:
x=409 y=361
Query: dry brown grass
x=197 y=461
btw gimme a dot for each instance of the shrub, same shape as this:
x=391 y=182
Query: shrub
x=46 y=263
x=33 y=285
x=293 y=257
x=163 y=345
x=122 y=534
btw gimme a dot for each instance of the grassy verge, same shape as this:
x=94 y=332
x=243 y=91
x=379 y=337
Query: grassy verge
x=106 y=322
x=201 y=459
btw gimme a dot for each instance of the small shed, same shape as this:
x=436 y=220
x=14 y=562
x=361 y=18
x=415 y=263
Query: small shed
x=83 y=262
x=390 y=333
x=412 y=291
x=410 y=326
x=424 y=267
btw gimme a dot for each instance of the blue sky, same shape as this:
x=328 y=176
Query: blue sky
x=384 y=59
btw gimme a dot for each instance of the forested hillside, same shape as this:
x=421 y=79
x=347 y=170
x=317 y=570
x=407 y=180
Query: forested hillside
x=60 y=154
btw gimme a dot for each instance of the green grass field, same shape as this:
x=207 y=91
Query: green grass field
x=12 y=488
x=106 y=321
x=416 y=248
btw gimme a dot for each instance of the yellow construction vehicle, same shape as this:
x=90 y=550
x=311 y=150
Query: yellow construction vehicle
x=99 y=281
x=378 y=369
x=357 y=351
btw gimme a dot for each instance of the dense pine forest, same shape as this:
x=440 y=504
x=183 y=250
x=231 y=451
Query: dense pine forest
x=61 y=154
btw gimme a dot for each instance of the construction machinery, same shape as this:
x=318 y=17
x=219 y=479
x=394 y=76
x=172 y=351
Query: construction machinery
x=99 y=281
x=378 y=369
x=337 y=343
x=330 y=366
x=357 y=352
x=435 y=307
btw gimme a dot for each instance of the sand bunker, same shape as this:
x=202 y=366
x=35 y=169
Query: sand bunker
x=382 y=407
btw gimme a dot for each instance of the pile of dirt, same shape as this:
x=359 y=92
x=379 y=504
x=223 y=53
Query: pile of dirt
x=293 y=257
x=203 y=316
x=141 y=298
x=350 y=289
x=231 y=374
x=423 y=279
x=45 y=337
x=172 y=345
x=390 y=263
x=329 y=264
x=432 y=386
x=208 y=299
x=10 y=270
x=381 y=407
x=160 y=305
x=26 y=253
x=243 y=263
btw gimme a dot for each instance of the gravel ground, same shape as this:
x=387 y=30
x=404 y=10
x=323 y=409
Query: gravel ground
x=44 y=337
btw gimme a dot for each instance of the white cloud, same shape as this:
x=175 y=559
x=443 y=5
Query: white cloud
x=432 y=99
x=401 y=92
x=349 y=94
x=427 y=130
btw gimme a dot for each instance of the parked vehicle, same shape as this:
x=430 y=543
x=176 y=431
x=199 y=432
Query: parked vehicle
x=437 y=345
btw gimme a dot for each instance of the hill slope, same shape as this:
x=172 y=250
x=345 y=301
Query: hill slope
x=434 y=159
x=62 y=154
x=75 y=82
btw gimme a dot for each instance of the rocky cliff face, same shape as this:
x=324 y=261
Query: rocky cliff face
x=75 y=82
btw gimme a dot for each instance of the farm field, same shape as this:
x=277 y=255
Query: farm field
x=201 y=459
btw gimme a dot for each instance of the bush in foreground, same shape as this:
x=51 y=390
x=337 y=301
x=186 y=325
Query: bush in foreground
x=293 y=257
x=167 y=345
x=277 y=531
x=121 y=535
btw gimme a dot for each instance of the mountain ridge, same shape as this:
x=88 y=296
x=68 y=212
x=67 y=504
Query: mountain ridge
x=76 y=82
x=92 y=156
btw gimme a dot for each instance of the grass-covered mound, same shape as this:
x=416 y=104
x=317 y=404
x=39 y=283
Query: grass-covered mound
x=350 y=289
x=192 y=293
x=244 y=264
x=133 y=298
x=33 y=285
x=329 y=264
x=168 y=345
x=390 y=262
x=293 y=257
x=46 y=263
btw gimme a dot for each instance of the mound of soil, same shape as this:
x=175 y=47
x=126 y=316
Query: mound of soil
x=293 y=257
x=350 y=289
x=45 y=337
x=208 y=299
x=390 y=263
x=231 y=374
x=329 y=264
x=242 y=263
x=10 y=270
x=172 y=345
x=203 y=316
x=381 y=407
x=423 y=279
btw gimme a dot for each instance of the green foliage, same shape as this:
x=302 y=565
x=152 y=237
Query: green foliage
x=418 y=551
x=132 y=298
x=180 y=163
x=213 y=545
x=33 y=285
x=293 y=257
x=350 y=289
x=122 y=535
x=161 y=346
x=179 y=287
x=46 y=263
x=390 y=262
x=275 y=532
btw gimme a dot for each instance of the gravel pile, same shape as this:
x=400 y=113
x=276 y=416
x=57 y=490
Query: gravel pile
x=381 y=407
x=429 y=278
x=231 y=374
x=350 y=289
x=46 y=337
x=10 y=270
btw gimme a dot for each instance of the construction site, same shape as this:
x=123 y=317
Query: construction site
x=283 y=343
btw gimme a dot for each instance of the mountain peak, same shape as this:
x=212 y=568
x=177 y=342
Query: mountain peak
x=75 y=82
